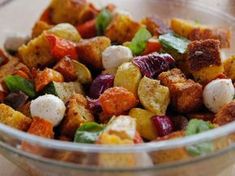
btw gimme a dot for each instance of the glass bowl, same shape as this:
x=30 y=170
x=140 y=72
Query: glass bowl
x=166 y=158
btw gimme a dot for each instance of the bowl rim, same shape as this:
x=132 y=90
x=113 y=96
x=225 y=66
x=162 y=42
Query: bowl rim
x=146 y=147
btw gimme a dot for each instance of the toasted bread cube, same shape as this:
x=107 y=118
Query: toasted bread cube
x=90 y=50
x=39 y=27
x=37 y=51
x=122 y=29
x=204 y=57
x=186 y=95
x=229 y=67
x=12 y=118
x=225 y=114
x=68 y=11
x=77 y=113
x=156 y=26
x=170 y=155
x=195 y=31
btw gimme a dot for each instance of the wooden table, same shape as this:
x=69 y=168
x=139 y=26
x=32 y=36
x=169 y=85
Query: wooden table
x=8 y=169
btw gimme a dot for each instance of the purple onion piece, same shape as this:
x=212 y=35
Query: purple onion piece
x=94 y=105
x=163 y=125
x=153 y=64
x=100 y=84
x=16 y=99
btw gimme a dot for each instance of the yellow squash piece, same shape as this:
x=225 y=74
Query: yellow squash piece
x=82 y=72
x=128 y=76
x=153 y=96
x=144 y=123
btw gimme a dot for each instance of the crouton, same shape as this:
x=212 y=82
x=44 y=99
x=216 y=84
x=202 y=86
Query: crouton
x=59 y=11
x=46 y=76
x=226 y=114
x=203 y=55
x=186 y=95
x=117 y=100
x=39 y=27
x=122 y=29
x=66 y=68
x=90 y=50
x=195 y=31
x=170 y=155
x=11 y=67
x=229 y=67
x=156 y=26
x=12 y=118
x=77 y=113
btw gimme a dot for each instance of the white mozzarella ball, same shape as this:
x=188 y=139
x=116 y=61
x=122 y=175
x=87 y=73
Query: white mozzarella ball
x=48 y=107
x=114 y=56
x=14 y=41
x=218 y=93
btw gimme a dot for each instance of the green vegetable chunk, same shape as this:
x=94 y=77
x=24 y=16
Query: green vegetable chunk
x=17 y=83
x=138 y=43
x=88 y=132
x=102 y=21
x=174 y=42
x=196 y=126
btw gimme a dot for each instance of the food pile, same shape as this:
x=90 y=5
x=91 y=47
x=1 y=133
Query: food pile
x=89 y=75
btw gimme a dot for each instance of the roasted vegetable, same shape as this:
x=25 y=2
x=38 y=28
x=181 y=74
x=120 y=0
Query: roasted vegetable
x=152 y=65
x=17 y=83
x=12 y=118
x=43 y=78
x=16 y=99
x=139 y=42
x=102 y=21
x=77 y=114
x=90 y=50
x=153 y=96
x=128 y=76
x=64 y=90
x=111 y=98
x=144 y=123
x=88 y=132
x=87 y=29
x=82 y=72
x=39 y=28
x=163 y=125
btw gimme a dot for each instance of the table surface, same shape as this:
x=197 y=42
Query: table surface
x=9 y=169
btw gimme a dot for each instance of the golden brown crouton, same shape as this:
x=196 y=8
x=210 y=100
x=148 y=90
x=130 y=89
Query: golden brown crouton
x=69 y=11
x=90 y=50
x=156 y=26
x=12 y=118
x=186 y=95
x=122 y=29
x=39 y=27
x=195 y=31
x=226 y=114
x=229 y=67
x=77 y=113
x=203 y=54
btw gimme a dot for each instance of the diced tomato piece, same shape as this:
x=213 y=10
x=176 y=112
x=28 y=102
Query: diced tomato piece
x=153 y=45
x=22 y=74
x=87 y=29
x=46 y=76
x=66 y=68
x=61 y=47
